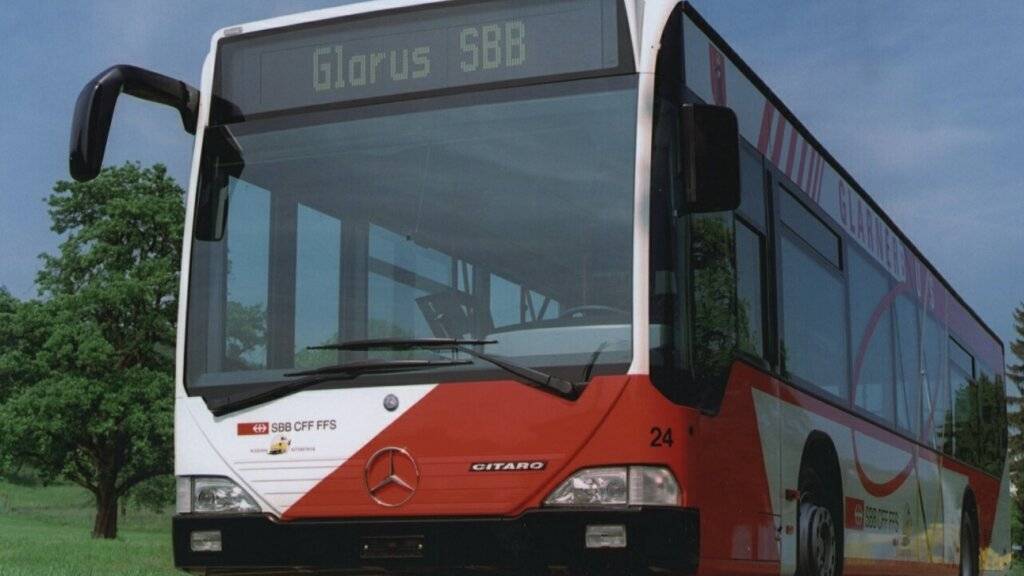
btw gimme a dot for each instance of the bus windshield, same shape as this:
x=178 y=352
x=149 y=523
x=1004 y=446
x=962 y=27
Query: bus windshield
x=503 y=214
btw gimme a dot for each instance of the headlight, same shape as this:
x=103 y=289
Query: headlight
x=620 y=485
x=213 y=495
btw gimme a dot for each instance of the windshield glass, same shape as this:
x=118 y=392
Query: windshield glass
x=504 y=215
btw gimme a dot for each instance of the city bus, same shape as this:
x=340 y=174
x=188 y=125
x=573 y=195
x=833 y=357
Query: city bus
x=551 y=286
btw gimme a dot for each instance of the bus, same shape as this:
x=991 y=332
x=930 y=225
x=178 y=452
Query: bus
x=551 y=286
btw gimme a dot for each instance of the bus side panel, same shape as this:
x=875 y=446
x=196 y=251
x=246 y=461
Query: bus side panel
x=929 y=476
x=737 y=478
x=996 y=556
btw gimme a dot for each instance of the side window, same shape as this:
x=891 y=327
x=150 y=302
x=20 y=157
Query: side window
x=935 y=404
x=871 y=330
x=964 y=416
x=714 y=294
x=908 y=370
x=992 y=409
x=749 y=280
x=750 y=251
x=814 y=347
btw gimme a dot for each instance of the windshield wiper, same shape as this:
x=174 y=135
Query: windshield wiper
x=536 y=378
x=348 y=371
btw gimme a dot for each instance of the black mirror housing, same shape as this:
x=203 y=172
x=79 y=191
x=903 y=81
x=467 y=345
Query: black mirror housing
x=94 y=111
x=711 y=158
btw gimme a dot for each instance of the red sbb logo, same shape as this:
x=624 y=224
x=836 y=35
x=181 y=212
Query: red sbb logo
x=854 y=513
x=253 y=428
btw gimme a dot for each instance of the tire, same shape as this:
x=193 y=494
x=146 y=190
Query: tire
x=969 y=556
x=818 y=546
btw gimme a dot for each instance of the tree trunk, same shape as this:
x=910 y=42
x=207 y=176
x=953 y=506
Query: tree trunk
x=106 y=514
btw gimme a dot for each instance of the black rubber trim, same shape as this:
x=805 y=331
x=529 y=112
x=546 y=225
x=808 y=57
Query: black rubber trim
x=665 y=540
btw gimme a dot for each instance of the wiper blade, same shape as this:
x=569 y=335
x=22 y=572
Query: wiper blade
x=348 y=371
x=535 y=378
x=402 y=344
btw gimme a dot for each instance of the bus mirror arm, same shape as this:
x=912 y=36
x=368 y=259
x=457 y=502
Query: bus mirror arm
x=710 y=159
x=94 y=111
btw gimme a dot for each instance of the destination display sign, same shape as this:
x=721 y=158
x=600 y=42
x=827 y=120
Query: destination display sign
x=429 y=48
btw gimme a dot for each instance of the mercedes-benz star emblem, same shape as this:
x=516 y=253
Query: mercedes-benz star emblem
x=391 y=476
x=391 y=402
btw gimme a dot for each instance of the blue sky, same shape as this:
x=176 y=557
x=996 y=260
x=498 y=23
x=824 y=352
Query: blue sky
x=922 y=102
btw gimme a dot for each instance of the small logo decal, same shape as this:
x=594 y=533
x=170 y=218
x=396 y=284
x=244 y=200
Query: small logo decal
x=253 y=428
x=391 y=402
x=524 y=466
x=391 y=476
x=279 y=446
x=854 y=513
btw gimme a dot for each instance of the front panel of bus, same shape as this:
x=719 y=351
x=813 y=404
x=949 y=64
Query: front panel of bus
x=464 y=172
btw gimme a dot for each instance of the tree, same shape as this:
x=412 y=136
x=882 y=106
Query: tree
x=23 y=329
x=99 y=409
x=1015 y=401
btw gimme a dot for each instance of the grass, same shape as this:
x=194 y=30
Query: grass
x=45 y=531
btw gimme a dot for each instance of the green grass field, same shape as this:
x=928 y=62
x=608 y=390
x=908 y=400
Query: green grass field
x=45 y=531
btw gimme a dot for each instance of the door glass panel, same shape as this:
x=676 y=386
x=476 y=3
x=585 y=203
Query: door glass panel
x=750 y=314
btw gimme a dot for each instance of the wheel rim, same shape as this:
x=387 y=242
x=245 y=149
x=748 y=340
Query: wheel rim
x=818 y=540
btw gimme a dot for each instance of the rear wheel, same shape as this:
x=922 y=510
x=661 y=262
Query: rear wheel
x=817 y=532
x=968 y=544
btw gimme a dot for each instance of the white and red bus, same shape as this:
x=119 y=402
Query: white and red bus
x=551 y=286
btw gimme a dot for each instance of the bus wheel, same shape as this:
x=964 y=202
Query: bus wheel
x=817 y=545
x=968 y=544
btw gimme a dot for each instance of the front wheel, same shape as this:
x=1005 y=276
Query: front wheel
x=817 y=535
x=968 y=545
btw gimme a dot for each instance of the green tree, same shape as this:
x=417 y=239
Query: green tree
x=1015 y=400
x=99 y=409
x=23 y=329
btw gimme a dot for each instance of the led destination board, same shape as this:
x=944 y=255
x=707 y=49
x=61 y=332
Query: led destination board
x=426 y=49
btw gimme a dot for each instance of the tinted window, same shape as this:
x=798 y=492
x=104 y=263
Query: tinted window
x=965 y=421
x=317 y=286
x=806 y=225
x=908 y=371
x=871 y=329
x=714 y=289
x=749 y=308
x=752 y=186
x=936 y=394
x=390 y=220
x=814 y=320
x=248 y=263
x=992 y=409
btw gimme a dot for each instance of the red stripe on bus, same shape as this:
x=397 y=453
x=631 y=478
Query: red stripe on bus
x=816 y=183
x=803 y=162
x=766 y=128
x=780 y=133
x=792 y=154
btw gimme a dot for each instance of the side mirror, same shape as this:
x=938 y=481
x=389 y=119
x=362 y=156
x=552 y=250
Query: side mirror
x=711 y=159
x=95 y=109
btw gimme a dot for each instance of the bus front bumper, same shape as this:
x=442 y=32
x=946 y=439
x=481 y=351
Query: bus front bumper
x=663 y=540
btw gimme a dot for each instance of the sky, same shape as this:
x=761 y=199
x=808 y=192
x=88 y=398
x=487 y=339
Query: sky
x=921 y=101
